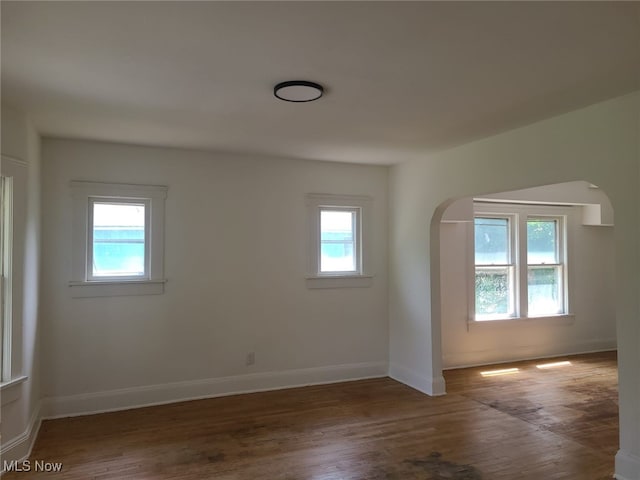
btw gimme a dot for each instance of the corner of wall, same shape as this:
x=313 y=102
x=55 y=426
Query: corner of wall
x=627 y=466
x=19 y=448
x=433 y=387
x=21 y=144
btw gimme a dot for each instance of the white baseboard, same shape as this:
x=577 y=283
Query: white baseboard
x=19 y=448
x=430 y=386
x=627 y=466
x=517 y=354
x=144 y=396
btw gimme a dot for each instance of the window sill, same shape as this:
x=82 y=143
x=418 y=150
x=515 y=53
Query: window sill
x=10 y=391
x=562 y=319
x=116 y=289
x=340 y=281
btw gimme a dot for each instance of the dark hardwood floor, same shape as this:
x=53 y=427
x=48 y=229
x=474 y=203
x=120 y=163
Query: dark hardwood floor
x=530 y=424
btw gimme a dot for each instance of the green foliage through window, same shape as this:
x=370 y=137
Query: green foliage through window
x=492 y=291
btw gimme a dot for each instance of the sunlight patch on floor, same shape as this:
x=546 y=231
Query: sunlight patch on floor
x=543 y=366
x=502 y=371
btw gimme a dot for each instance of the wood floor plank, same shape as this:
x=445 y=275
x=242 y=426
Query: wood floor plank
x=557 y=423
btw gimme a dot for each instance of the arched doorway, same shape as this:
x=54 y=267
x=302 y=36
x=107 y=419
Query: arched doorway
x=584 y=394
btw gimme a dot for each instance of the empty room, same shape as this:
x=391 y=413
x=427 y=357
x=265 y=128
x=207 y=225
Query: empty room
x=320 y=240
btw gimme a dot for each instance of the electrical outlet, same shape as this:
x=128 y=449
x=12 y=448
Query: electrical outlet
x=251 y=358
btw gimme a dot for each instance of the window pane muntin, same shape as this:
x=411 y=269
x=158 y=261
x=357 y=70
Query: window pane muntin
x=545 y=290
x=492 y=240
x=543 y=239
x=339 y=251
x=117 y=244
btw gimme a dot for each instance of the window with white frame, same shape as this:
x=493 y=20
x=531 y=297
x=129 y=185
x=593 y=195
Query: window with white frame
x=495 y=266
x=13 y=255
x=118 y=233
x=338 y=241
x=118 y=239
x=545 y=266
x=6 y=316
x=520 y=261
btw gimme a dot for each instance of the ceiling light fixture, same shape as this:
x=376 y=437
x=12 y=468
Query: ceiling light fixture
x=298 y=91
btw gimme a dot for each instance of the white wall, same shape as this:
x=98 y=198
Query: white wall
x=591 y=282
x=235 y=260
x=20 y=416
x=105 y=353
x=598 y=144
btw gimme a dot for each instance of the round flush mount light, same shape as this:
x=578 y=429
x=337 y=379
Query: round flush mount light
x=298 y=91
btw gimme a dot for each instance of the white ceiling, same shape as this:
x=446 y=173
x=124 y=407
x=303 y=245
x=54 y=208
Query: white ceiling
x=402 y=78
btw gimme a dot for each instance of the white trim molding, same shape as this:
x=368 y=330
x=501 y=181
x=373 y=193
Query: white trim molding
x=345 y=281
x=14 y=160
x=19 y=448
x=10 y=391
x=518 y=353
x=117 y=289
x=148 y=395
x=82 y=283
x=15 y=172
x=362 y=277
x=627 y=466
x=433 y=387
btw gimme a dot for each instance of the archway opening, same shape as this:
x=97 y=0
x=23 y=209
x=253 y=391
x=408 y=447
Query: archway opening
x=554 y=367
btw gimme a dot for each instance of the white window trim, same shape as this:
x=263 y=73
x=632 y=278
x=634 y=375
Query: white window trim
x=357 y=243
x=83 y=194
x=561 y=253
x=519 y=257
x=511 y=264
x=362 y=277
x=7 y=282
x=17 y=171
x=11 y=390
x=147 y=234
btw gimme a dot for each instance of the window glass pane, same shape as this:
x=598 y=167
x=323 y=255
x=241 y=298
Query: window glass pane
x=491 y=241
x=545 y=296
x=542 y=241
x=494 y=292
x=336 y=225
x=337 y=241
x=118 y=239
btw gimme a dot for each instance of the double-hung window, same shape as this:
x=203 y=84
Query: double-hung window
x=6 y=312
x=495 y=269
x=520 y=261
x=118 y=239
x=339 y=241
x=14 y=252
x=118 y=232
x=545 y=266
